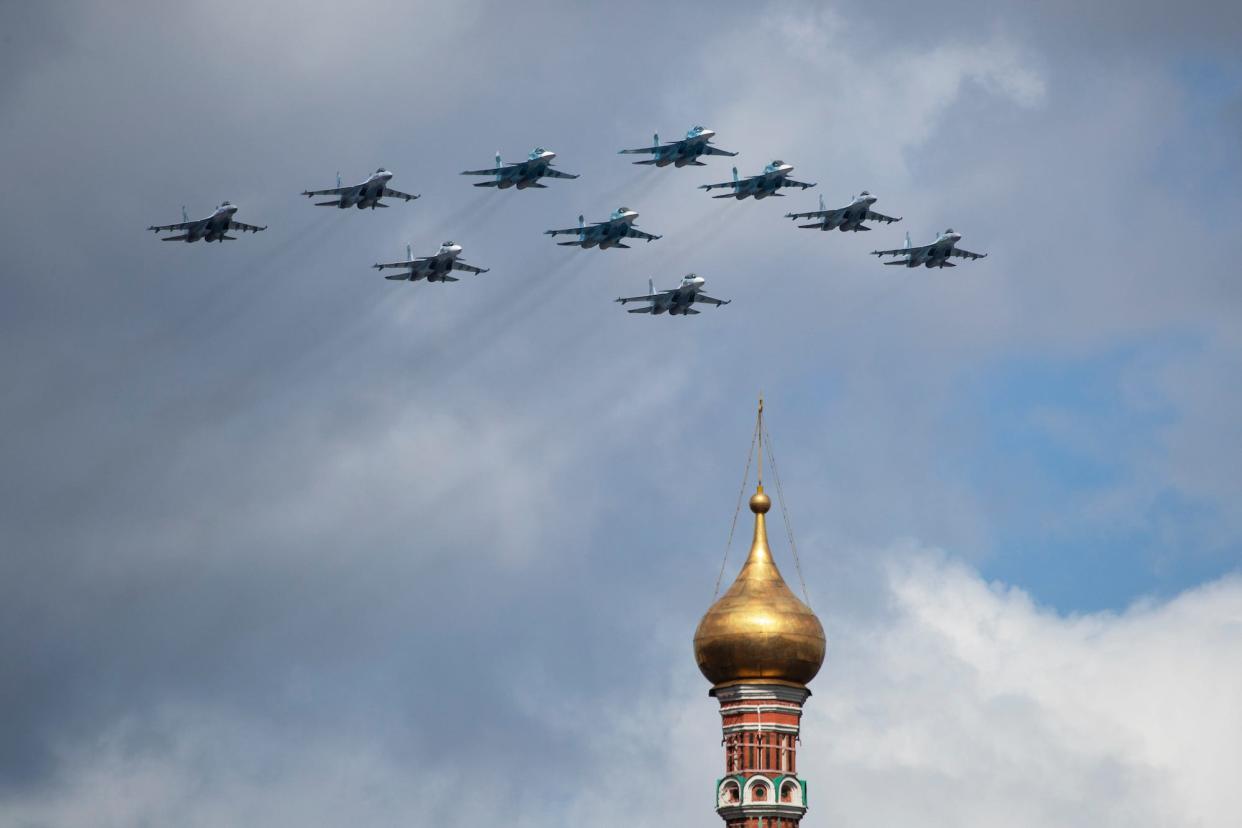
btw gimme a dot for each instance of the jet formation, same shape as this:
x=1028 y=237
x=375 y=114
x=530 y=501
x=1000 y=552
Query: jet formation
x=611 y=232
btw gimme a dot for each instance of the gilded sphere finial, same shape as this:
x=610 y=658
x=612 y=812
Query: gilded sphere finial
x=760 y=502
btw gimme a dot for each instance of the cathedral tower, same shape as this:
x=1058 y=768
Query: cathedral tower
x=759 y=646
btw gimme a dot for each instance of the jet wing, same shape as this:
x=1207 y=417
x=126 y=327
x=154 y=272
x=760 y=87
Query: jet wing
x=789 y=182
x=412 y=265
x=650 y=297
x=725 y=184
x=245 y=228
x=874 y=216
x=551 y=173
x=573 y=230
x=708 y=149
x=902 y=251
x=965 y=254
x=336 y=191
x=167 y=228
x=492 y=171
x=635 y=233
x=458 y=264
x=702 y=297
x=665 y=145
x=389 y=193
x=818 y=214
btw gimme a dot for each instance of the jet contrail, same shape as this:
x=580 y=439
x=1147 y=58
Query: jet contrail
x=233 y=292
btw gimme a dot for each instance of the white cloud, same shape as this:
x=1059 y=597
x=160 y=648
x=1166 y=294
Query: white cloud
x=963 y=704
x=973 y=706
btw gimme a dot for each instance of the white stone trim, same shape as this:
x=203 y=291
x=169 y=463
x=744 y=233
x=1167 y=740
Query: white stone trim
x=746 y=692
x=760 y=709
x=761 y=728
x=761 y=809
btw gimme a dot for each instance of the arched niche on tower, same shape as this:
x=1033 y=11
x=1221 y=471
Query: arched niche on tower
x=729 y=793
x=758 y=789
x=790 y=792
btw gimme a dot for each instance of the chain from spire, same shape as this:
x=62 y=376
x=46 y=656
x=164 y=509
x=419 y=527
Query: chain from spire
x=742 y=493
x=780 y=496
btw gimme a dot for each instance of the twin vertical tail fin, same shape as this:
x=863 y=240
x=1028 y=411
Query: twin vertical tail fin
x=735 y=176
x=651 y=287
x=409 y=254
x=908 y=244
x=185 y=217
x=581 y=227
x=822 y=208
x=498 y=165
x=655 y=141
x=338 y=179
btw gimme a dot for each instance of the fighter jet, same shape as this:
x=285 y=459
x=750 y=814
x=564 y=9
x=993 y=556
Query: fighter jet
x=850 y=217
x=674 y=301
x=698 y=141
x=766 y=183
x=605 y=234
x=521 y=174
x=366 y=194
x=432 y=268
x=936 y=254
x=213 y=228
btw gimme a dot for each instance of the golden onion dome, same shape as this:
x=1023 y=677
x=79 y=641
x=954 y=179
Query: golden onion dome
x=759 y=631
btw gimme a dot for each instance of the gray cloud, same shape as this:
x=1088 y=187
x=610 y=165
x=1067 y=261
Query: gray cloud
x=258 y=503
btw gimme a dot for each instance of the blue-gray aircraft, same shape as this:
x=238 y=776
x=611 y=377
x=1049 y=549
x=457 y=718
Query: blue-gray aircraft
x=366 y=194
x=674 y=301
x=607 y=233
x=698 y=141
x=936 y=254
x=215 y=227
x=767 y=183
x=847 y=218
x=521 y=174
x=432 y=268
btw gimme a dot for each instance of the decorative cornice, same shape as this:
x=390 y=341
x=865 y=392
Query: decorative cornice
x=761 y=728
x=761 y=809
x=746 y=691
x=734 y=708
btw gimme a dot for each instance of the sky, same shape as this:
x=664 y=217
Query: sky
x=284 y=543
